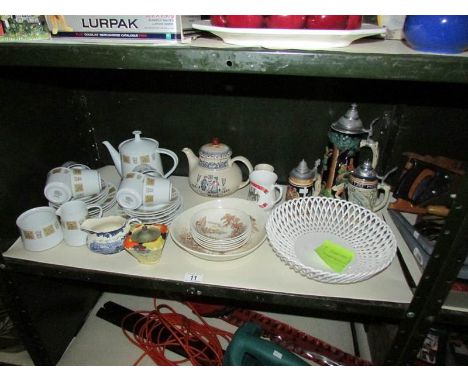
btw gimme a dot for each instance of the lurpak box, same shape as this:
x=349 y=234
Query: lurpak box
x=135 y=28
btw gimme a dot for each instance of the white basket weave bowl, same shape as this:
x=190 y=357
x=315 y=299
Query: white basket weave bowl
x=296 y=227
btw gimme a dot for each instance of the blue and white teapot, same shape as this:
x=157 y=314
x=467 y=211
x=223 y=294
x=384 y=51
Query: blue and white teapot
x=214 y=172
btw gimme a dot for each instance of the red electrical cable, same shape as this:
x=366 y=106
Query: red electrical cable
x=182 y=330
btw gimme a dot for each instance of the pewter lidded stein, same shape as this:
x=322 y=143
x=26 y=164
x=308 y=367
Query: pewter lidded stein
x=303 y=181
x=363 y=188
x=346 y=137
x=214 y=173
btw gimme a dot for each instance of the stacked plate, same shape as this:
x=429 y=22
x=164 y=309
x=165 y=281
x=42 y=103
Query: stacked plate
x=181 y=229
x=220 y=229
x=157 y=213
x=105 y=199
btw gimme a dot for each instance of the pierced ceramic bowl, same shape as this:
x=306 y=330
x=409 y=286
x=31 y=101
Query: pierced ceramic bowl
x=298 y=227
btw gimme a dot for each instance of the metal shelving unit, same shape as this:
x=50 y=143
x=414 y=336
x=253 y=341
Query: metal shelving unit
x=370 y=61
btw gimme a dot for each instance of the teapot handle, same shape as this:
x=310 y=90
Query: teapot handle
x=247 y=163
x=174 y=157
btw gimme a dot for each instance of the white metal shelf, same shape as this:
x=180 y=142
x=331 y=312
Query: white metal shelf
x=102 y=343
x=259 y=271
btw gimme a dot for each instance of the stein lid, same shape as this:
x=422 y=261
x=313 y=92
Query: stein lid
x=365 y=171
x=302 y=171
x=350 y=123
x=215 y=150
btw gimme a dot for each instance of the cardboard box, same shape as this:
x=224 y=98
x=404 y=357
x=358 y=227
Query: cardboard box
x=134 y=28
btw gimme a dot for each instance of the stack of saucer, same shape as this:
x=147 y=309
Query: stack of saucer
x=220 y=229
x=157 y=213
x=105 y=198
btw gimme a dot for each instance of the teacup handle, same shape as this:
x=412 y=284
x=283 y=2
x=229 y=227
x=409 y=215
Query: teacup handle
x=101 y=212
x=174 y=157
x=386 y=188
x=248 y=165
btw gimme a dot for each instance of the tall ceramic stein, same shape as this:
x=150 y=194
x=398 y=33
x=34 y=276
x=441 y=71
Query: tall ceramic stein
x=364 y=188
x=346 y=138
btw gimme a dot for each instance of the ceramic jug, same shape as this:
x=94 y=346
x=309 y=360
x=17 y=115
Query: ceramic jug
x=139 y=151
x=214 y=172
x=363 y=188
x=106 y=235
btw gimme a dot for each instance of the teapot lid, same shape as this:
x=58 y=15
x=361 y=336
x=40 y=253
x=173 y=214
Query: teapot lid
x=138 y=145
x=215 y=150
x=350 y=123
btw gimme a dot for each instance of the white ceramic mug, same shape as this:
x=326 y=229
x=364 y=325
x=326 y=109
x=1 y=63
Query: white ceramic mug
x=156 y=190
x=39 y=228
x=72 y=214
x=130 y=193
x=58 y=188
x=262 y=188
x=264 y=166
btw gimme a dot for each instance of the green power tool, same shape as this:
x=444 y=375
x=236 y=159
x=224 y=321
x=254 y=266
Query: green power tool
x=248 y=349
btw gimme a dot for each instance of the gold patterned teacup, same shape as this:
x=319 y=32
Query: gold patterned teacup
x=39 y=228
x=85 y=182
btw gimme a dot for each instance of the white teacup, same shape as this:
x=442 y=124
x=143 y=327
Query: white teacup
x=39 y=228
x=72 y=164
x=85 y=182
x=130 y=193
x=58 y=188
x=262 y=188
x=264 y=166
x=72 y=214
x=156 y=190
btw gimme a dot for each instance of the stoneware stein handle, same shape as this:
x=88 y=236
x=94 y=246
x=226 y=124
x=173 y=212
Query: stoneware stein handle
x=247 y=163
x=386 y=188
x=174 y=157
x=98 y=207
x=317 y=186
x=374 y=146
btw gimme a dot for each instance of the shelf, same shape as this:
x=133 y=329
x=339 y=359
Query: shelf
x=366 y=59
x=257 y=278
x=21 y=358
x=91 y=345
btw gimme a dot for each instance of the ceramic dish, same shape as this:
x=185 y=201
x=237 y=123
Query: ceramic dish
x=181 y=233
x=220 y=224
x=304 y=39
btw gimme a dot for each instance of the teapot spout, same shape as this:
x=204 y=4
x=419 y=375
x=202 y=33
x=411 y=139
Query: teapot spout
x=192 y=158
x=115 y=156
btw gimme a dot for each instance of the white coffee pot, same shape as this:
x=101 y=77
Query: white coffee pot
x=140 y=151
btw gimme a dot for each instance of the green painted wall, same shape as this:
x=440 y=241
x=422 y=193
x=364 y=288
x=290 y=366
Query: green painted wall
x=51 y=115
